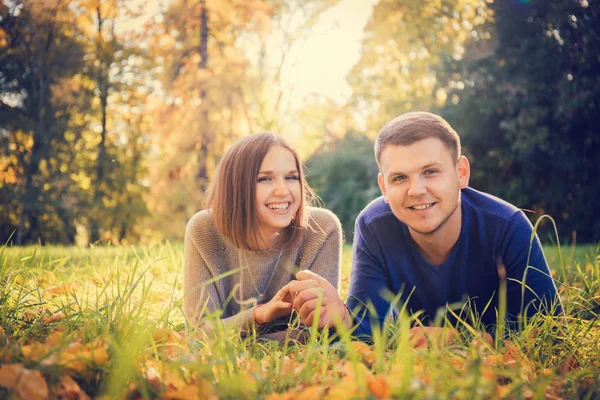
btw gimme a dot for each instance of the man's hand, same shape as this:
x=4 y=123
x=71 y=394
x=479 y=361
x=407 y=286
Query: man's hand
x=309 y=291
x=279 y=306
x=422 y=337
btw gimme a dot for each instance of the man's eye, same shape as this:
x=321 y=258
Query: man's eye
x=431 y=172
x=399 y=178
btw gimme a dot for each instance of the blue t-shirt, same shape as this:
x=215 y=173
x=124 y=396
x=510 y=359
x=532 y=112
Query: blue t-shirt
x=494 y=235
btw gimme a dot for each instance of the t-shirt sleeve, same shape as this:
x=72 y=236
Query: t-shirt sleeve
x=529 y=284
x=368 y=282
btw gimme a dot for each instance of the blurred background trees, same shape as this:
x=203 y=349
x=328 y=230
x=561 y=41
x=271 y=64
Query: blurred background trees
x=112 y=118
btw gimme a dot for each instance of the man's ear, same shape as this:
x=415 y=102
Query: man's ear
x=463 y=169
x=381 y=183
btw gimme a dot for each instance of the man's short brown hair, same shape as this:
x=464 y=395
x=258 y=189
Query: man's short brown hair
x=413 y=127
x=232 y=192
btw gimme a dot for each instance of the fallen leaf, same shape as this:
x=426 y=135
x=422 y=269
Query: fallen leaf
x=345 y=389
x=79 y=357
x=57 y=290
x=290 y=366
x=68 y=389
x=27 y=384
x=302 y=393
x=55 y=338
x=201 y=390
x=364 y=351
x=186 y=393
x=378 y=387
x=56 y=317
x=169 y=342
x=34 y=351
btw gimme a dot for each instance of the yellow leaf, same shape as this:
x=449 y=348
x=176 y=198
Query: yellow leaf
x=55 y=338
x=345 y=389
x=69 y=389
x=54 y=318
x=79 y=357
x=378 y=387
x=27 y=384
x=194 y=391
x=59 y=289
x=34 y=351
x=364 y=351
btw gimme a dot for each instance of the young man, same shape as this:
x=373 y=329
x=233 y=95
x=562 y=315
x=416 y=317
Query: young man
x=433 y=243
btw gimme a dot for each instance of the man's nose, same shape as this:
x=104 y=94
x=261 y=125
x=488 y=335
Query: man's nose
x=417 y=188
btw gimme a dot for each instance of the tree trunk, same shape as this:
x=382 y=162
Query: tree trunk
x=203 y=135
x=102 y=82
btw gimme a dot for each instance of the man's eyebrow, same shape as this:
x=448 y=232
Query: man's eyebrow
x=432 y=164
x=429 y=165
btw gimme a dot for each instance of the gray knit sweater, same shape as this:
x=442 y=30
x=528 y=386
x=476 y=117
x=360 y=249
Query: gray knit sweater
x=219 y=276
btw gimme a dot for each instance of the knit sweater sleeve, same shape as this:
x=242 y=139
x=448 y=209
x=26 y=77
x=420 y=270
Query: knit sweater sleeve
x=323 y=249
x=201 y=283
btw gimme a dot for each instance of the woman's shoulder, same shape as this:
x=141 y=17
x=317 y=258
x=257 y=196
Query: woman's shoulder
x=322 y=220
x=201 y=223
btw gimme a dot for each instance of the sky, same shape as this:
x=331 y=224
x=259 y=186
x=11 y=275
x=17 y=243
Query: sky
x=320 y=63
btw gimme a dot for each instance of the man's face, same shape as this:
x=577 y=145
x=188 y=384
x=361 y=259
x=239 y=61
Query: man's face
x=422 y=182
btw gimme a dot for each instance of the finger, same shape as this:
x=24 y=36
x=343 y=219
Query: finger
x=310 y=306
x=417 y=337
x=306 y=295
x=418 y=341
x=323 y=321
x=298 y=286
x=306 y=274
x=283 y=304
x=284 y=291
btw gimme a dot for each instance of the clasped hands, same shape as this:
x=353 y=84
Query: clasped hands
x=309 y=290
x=304 y=295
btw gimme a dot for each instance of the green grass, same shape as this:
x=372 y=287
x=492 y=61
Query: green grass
x=78 y=305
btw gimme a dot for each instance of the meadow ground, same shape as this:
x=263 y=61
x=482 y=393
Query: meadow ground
x=107 y=322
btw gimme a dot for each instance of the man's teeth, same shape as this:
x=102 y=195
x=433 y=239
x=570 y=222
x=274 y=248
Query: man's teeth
x=279 y=207
x=422 y=206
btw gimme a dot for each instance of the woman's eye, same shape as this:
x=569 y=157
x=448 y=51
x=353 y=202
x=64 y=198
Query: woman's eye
x=263 y=178
x=292 y=177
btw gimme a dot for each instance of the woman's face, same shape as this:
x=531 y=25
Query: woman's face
x=278 y=193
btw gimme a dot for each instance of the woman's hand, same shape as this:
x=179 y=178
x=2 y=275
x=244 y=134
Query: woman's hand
x=279 y=306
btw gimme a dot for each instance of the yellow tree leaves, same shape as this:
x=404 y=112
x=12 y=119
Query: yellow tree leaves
x=405 y=45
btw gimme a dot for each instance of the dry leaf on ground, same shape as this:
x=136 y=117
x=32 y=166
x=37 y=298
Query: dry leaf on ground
x=25 y=383
x=68 y=389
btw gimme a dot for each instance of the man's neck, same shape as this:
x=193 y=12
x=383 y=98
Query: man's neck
x=436 y=247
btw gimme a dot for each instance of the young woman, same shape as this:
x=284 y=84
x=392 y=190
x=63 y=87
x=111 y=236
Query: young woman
x=256 y=233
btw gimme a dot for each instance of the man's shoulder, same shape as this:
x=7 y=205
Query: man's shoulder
x=488 y=205
x=376 y=211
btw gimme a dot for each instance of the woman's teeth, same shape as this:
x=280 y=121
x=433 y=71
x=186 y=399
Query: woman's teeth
x=279 y=207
